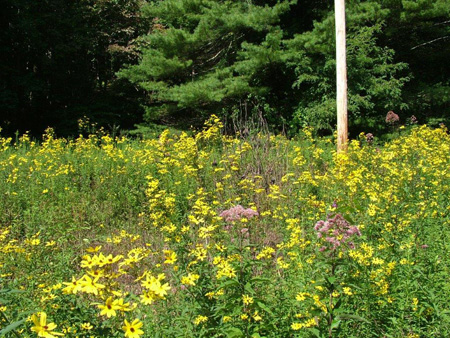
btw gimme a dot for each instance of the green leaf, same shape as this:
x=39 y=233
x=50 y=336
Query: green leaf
x=234 y=332
x=354 y=317
x=11 y=327
x=9 y=291
x=264 y=307
x=331 y=280
x=260 y=279
x=228 y=283
x=249 y=289
x=315 y=331
x=337 y=306
x=335 y=324
x=349 y=219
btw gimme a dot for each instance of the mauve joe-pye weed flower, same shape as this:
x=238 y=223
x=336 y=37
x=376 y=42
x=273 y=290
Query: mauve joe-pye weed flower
x=392 y=117
x=337 y=232
x=237 y=212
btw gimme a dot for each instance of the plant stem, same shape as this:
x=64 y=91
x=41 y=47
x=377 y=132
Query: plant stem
x=330 y=304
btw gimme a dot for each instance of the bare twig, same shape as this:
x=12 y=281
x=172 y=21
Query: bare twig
x=442 y=23
x=430 y=42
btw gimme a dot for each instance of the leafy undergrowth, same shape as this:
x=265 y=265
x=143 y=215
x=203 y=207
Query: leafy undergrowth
x=213 y=236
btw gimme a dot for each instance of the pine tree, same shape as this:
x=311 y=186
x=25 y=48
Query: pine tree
x=203 y=56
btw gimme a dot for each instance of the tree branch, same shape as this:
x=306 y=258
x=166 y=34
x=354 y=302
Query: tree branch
x=430 y=42
x=442 y=23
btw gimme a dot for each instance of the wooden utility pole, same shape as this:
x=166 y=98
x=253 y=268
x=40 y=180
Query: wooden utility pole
x=341 y=76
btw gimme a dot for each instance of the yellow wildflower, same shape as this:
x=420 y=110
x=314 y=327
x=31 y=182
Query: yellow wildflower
x=247 y=300
x=42 y=328
x=109 y=309
x=133 y=330
x=200 y=319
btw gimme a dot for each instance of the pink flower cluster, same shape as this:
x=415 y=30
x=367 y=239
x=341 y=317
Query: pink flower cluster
x=392 y=117
x=237 y=212
x=337 y=232
x=369 y=138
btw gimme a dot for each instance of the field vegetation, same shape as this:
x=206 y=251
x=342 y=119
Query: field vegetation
x=202 y=234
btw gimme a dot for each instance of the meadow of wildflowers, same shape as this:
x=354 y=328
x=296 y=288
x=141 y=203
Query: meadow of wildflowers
x=206 y=235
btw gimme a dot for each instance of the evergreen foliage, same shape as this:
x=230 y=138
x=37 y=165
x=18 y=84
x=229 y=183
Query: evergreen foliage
x=202 y=56
x=187 y=59
x=375 y=80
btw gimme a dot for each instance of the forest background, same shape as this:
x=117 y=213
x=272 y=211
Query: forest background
x=129 y=62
